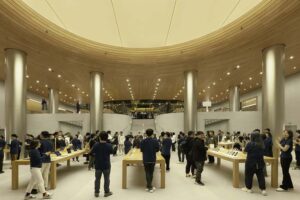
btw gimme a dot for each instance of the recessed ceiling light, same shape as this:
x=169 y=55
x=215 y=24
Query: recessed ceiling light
x=250 y=78
x=228 y=73
x=87 y=95
x=49 y=69
x=159 y=80
x=260 y=73
x=42 y=92
x=294 y=67
x=46 y=85
x=245 y=89
x=59 y=76
x=221 y=79
x=241 y=83
x=27 y=76
x=208 y=87
x=127 y=80
x=238 y=66
x=30 y=87
x=78 y=89
x=59 y=92
x=227 y=90
x=257 y=83
x=203 y=90
x=291 y=57
x=66 y=95
x=82 y=92
x=37 y=81
x=214 y=83
x=37 y=89
x=73 y=85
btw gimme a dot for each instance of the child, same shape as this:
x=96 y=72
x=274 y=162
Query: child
x=36 y=173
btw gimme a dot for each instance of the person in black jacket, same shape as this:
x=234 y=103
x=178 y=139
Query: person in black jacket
x=166 y=149
x=2 y=146
x=127 y=144
x=149 y=147
x=199 y=155
x=190 y=165
x=36 y=173
x=14 y=147
x=255 y=163
x=180 y=142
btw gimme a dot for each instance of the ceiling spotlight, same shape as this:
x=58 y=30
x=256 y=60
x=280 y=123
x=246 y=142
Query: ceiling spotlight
x=257 y=83
x=291 y=57
x=203 y=90
x=260 y=73
x=27 y=76
x=208 y=87
x=294 y=67
x=59 y=76
x=237 y=66
x=37 y=81
x=241 y=83
x=214 y=83
x=59 y=92
x=228 y=73
x=87 y=95
x=66 y=95
x=30 y=87
x=127 y=80
x=82 y=92
x=73 y=85
x=250 y=78
x=49 y=69
x=227 y=90
x=159 y=80
x=37 y=89
x=46 y=85
x=78 y=89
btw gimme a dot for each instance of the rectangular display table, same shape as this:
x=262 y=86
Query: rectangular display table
x=54 y=160
x=134 y=157
x=226 y=145
x=241 y=158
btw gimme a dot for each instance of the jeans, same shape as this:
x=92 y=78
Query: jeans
x=36 y=179
x=98 y=174
x=167 y=159
x=286 y=181
x=180 y=155
x=250 y=170
x=297 y=154
x=190 y=165
x=1 y=161
x=199 y=167
x=91 y=161
x=149 y=170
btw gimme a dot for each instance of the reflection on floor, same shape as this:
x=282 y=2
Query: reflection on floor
x=76 y=183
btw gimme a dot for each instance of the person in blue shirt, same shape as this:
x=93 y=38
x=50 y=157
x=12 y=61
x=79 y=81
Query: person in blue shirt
x=127 y=144
x=255 y=163
x=166 y=149
x=286 y=147
x=76 y=145
x=2 y=147
x=36 y=174
x=102 y=151
x=46 y=149
x=297 y=149
x=14 y=147
x=149 y=147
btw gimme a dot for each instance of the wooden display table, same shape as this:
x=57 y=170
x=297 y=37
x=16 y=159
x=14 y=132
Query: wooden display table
x=241 y=158
x=226 y=145
x=54 y=160
x=135 y=157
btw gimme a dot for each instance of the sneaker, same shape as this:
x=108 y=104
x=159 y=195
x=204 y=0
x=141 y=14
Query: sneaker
x=199 y=183
x=264 y=193
x=281 y=190
x=96 y=194
x=30 y=197
x=34 y=191
x=151 y=190
x=47 y=196
x=107 y=194
x=187 y=175
x=247 y=190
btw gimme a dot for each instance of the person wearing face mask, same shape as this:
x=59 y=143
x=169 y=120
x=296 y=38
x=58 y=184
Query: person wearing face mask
x=286 y=147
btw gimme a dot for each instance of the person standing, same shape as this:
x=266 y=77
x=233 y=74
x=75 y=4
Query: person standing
x=2 y=147
x=46 y=148
x=297 y=149
x=166 y=149
x=190 y=165
x=28 y=140
x=14 y=147
x=255 y=163
x=149 y=147
x=173 y=142
x=180 y=151
x=36 y=174
x=102 y=151
x=212 y=143
x=77 y=107
x=44 y=104
x=127 y=144
x=286 y=147
x=199 y=155
x=121 y=141
x=92 y=142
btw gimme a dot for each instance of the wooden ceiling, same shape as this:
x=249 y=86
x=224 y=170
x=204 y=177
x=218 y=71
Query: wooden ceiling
x=214 y=55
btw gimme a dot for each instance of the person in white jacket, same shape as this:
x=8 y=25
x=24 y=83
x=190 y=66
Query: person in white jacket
x=121 y=140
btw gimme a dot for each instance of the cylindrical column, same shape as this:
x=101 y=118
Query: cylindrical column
x=15 y=93
x=53 y=101
x=190 y=100
x=234 y=99
x=273 y=93
x=96 y=100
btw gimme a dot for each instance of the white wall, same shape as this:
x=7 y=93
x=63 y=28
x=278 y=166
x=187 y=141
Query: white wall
x=69 y=128
x=222 y=125
x=238 y=121
x=117 y=122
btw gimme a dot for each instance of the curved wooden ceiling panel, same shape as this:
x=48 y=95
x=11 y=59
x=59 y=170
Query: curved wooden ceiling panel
x=214 y=55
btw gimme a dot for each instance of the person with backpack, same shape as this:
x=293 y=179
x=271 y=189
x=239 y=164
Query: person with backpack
x=187 y=148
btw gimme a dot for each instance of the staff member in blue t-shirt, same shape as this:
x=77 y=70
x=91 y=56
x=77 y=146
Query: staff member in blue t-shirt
x=149 y=147
x=166 y=149
x=102 y=151
x=286 y=147
x=2 y=146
